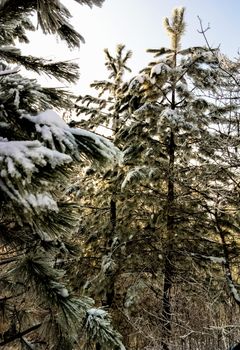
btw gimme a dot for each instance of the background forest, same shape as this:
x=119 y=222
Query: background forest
x=120 y=209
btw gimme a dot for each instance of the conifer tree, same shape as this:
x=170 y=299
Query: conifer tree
x=39 y=308
x=107 y=110
x=178 y=93
x=113 y=214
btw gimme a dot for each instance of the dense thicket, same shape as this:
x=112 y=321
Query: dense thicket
x=160 y=232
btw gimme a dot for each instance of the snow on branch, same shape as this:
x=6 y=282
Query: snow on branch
x=25 y=157
x=58 y=135
x=10 y=71
x=136 y=82
x=19 y=160
x=138 y=173
x=98 y=144
x=160 y=68
x=214 y=259
x=40 y=202
x=235 y=293
x=99 y=328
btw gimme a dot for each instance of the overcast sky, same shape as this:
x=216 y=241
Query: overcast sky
x=138 y=25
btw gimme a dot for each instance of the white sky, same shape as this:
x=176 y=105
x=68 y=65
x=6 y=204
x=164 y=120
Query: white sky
x=138 y=25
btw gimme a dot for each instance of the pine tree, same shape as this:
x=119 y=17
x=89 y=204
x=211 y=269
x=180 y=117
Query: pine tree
x=182 y=152
x=115 y=221
x=39 y=308
x=107 y=110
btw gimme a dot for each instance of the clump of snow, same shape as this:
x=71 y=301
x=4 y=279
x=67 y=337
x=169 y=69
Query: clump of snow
x=218 y=260
x=136 y=82
x=182 y=86
x=41 y=201
x=99 y=327
x=48 y=117
x=171 y=114
x=54 y=131
x=96 y=312
x=59 y=289
x=108 y=264
x=171 y=118
x=10 y=71
x=63 y=292
x=160 y=68
x=4 y=125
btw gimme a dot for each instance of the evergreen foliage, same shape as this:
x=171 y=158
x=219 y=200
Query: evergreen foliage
x=110 y=111
x=39 y=308
x=166 y=221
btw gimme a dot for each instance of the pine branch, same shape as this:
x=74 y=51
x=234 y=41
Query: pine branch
x=52 y=16
x=65 y=71
x=8 y=261
x=11 y=338
x=90 y=3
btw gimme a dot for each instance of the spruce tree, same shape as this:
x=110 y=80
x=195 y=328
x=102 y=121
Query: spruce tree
x=39 y=308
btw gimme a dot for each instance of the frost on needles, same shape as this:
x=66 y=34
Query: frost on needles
x=37 y=153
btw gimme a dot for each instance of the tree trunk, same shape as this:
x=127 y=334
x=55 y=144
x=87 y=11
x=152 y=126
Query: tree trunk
x=166 y=302
x=169 y=264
